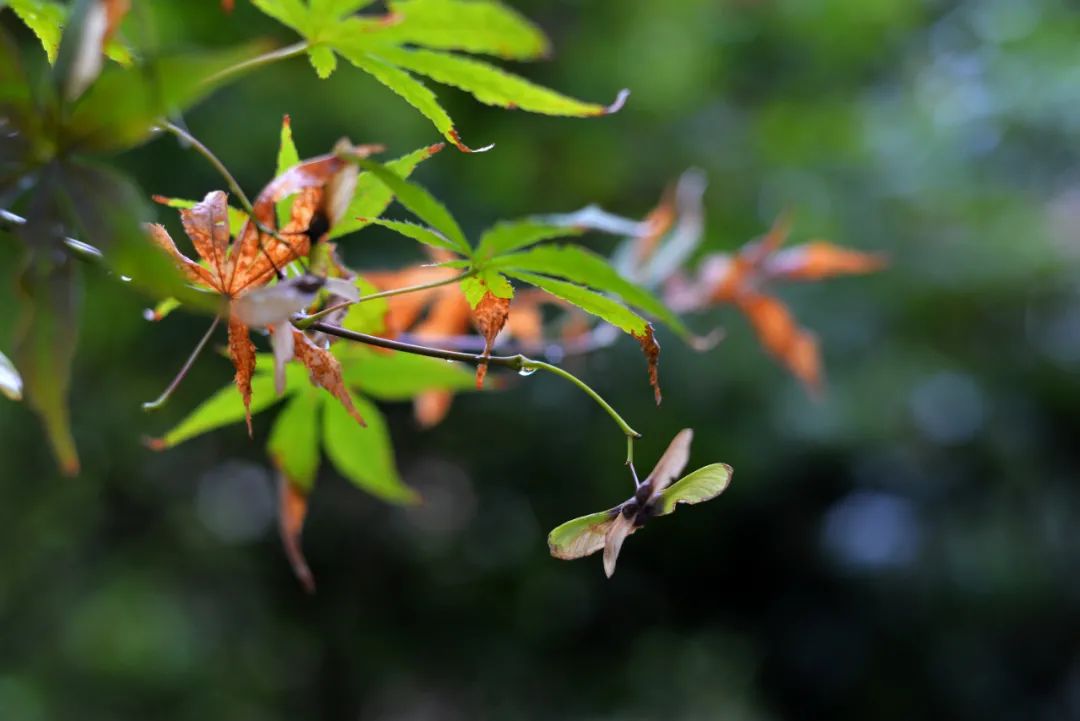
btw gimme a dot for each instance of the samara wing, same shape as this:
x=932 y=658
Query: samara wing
x=617 y=532
x=672 y=463
x=582 y=536
x=704 y=484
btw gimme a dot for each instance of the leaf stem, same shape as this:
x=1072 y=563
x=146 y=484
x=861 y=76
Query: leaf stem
x=307 y=321
x=630 y=433
x=514 y=362
x=167 y=393
x=219 y=166
x=289 y=51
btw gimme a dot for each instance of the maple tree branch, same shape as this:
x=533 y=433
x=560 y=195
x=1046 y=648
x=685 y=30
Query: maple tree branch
x=167 y=393
x=517 y=363
x=554 y=351
x=307 y=321
x=289 y=51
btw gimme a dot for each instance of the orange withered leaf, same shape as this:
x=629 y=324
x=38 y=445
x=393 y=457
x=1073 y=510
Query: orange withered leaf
x=194 y=272
x=324 y=370
x=490 y=317
x=232 y=269
x=651 y=348
x=820 y=259
x=739 y=279
x=292 y=509
x=235 y=269
x=783 y=338
x=242 y=352
x=657 y=223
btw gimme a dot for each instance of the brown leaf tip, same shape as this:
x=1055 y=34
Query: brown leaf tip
x=651 y=348
x=455 y=138
x=286 y=121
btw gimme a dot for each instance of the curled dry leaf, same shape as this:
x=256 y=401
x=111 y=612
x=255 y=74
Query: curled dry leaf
x=272 y=308
x=490 y=316
x=292 y=510
x=325 y=371
x=651 y=348
x=232 y=270
x=242 y=352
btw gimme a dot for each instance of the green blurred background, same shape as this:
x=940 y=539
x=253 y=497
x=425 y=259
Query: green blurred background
x=903 y=548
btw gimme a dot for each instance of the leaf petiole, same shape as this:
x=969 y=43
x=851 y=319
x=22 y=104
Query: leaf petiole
x=307 y=321
x=167 y=393
x=289 y=51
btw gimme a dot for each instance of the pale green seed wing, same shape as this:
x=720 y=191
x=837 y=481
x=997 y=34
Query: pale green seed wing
x=617 y=532
x=704 y=484
x=580 y=537
x=672 y=463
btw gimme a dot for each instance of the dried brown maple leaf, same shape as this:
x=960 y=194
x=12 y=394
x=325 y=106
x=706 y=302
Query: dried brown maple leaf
x=235 y=268
x=325 y=371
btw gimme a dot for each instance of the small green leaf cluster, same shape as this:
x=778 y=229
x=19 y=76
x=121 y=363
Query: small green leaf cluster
x=419 y=38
